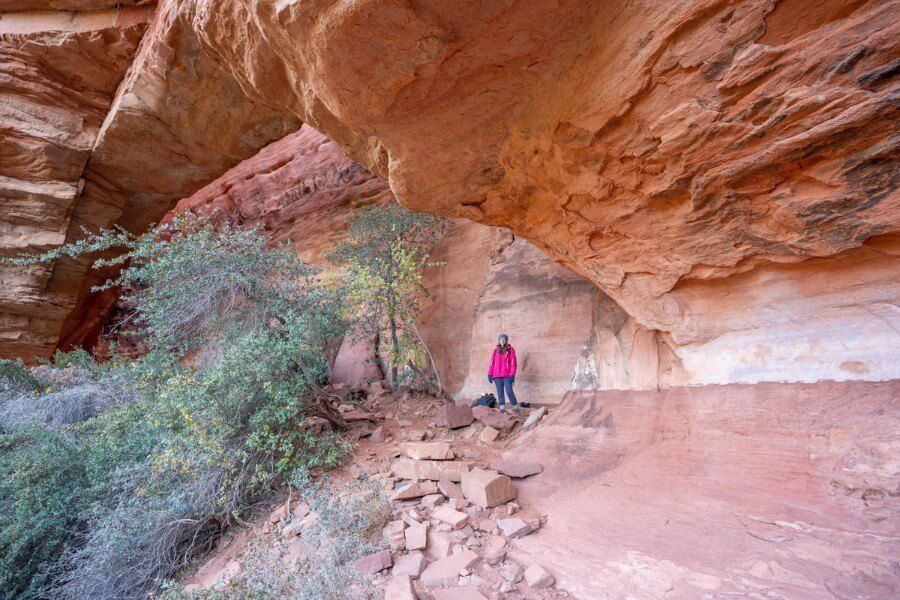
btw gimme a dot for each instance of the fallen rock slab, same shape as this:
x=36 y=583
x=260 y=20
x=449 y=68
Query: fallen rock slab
x=538 y=578
x=454 y=518
x=493 y=417
x=373 y=563
x=450 y=490
x=429 y=451
x=400 y=588
x=358 y=415
x=454 y=416
x=517 y=468
x=465 y=592
x=487 y=488
x=452 y=470
x=534 y=417
x=445 y=571
x=416 y=489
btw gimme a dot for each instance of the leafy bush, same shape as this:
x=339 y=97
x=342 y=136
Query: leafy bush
x=116 y=474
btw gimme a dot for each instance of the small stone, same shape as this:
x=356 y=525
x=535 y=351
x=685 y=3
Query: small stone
x=512 y=573
x=458 y=503
x=415 y=435
x=486 y=525
x=400 y=588
x=411 y=564
x=454 y=518
x=445 y=571
x=487 y=488
x=416 y=537
x=507 y=587
x=488 y=435
x=439 y=544
x=429 y=451
x=514 y=527
x=516 y=468
x=373 y=563
x=538 y=578
x=533 y=418
x=379 y=434
x=433 y=500
x=450 y=490
x=454 y=416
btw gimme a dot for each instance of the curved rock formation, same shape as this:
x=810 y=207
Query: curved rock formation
x=657 y=148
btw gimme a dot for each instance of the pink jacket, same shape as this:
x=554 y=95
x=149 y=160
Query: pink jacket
x=503 y=365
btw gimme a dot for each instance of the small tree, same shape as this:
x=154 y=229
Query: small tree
x=384 y=255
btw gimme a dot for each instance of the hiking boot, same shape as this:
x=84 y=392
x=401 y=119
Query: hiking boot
x=516 y=411
x=503 y=409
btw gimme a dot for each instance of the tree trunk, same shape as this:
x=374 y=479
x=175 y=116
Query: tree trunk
x=395 y=355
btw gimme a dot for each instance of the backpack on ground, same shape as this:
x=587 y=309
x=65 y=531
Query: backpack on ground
x=488 y=400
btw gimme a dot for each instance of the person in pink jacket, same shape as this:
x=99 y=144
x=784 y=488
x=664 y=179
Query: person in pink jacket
x=502 y=372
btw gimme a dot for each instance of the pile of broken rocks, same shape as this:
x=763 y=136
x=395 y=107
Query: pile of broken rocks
x=453 y=524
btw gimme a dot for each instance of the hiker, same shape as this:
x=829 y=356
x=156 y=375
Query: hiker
x=502 y=372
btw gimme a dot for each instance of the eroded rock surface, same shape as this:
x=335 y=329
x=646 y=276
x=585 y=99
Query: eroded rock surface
x=781 y=490
x=654 y=147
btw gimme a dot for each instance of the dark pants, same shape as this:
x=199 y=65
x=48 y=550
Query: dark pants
x=504 y=387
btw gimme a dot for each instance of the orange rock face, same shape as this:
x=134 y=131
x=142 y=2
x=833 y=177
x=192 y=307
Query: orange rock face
x=651 y=147
x=99 y=131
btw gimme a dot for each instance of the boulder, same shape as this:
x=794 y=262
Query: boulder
x=416 y=489
x=379 y=434
x=453 y=416
x=407 y=468
x=538 y=578
x=373 y=563
x=400 y=588
x=445 y=571
x=429 y=451
x=411 y=564
x=493 y=417
x=487 y=488
x=516 y=468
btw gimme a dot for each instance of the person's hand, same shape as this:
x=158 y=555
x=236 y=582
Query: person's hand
x=512 y=379
x=490 y=379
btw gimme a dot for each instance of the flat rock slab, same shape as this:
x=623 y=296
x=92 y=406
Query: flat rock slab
x=429 y=451
x=445 y=571
x=373 y=563
x=538 y=578
x=493 y=417
x=516 y=468
x=454 y=518
x=465 y=592
x=416 y=537
x=451 y=470
x=416 y=489
x=358 y=415
x=453 y=416
x=450 y=490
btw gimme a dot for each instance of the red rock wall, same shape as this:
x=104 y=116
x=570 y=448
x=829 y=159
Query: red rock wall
x=744 y=491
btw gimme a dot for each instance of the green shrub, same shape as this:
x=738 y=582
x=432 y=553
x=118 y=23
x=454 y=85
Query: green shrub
x=154 y=457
